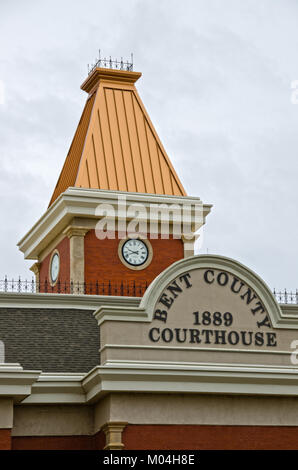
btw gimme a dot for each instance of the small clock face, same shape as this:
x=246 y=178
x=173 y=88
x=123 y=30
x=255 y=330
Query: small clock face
x=55 y=265
x=135 y=252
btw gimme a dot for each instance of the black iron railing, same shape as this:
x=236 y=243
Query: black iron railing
x=123 y=288
x=286 y=297
x=109 y=63
x=134 y=288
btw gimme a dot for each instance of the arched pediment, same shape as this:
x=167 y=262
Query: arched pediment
x=253 y=291
x=204 y=308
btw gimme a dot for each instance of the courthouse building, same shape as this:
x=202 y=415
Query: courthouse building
x=126 y=342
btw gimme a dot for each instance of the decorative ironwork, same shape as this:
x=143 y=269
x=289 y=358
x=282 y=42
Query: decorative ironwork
x=111 y=64
x=105 y=287
x=286 y=297
x=131 y=288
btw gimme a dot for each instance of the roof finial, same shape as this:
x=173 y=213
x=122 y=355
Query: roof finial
x=111 y=64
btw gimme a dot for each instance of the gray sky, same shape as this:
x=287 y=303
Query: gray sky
x=217 y=85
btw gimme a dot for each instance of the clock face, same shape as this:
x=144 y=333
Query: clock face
x=55 y=265
x=135 y=252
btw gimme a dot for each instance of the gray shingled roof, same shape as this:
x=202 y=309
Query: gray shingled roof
x=51 y=340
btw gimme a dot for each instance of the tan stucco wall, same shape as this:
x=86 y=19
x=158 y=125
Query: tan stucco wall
x=199 y=409
x=145 y=408
x=102 y=413
x=174 y=311
x=53 y=420
x=6 y=413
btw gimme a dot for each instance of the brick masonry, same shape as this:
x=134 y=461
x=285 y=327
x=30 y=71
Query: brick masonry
x=5 y=439
x=170 y=437
x=102 y=261
x=102 y=264
x=95 y=442
x=64 y=273
x=183 y=437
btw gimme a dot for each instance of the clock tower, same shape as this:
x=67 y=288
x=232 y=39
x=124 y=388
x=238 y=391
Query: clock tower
x=119 y=214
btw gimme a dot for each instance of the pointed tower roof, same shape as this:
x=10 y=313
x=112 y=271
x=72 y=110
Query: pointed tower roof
x=115 y=146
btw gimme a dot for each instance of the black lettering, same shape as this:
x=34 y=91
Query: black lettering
x=167 y=335
x=271 y=339
x=197 y=320
x=222 y=279
x=178 y=330
x=167 y=301
x=259 y=338
x=220 y=337
x=235 y=335
x=194 y=336
x=207 y=333
x=206 y=276
x=243 y=337
x=264 y=322
x=173 y=288
x=160 y=315
x=260 y=308
x=235 y=280
x=250 y=296
x=185 y=277
x=151 y=334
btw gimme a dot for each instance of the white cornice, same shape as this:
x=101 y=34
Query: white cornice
x=108 y=307
x=81 y=202
x=16 y=382
x=188 y=378
x=86 y=302
x=57 y=388
x=154 y=377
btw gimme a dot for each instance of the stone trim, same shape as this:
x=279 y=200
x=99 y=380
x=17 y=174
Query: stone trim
x=35 y=269
x=113 y=432
x=144 y=312
x=82 y=202
x=15 y=382
x=189 y=245
x=76 y=253
x=34 y=387
x=73 y=231
x=69 y=301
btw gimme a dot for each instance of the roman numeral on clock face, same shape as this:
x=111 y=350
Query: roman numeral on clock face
x=135 y=252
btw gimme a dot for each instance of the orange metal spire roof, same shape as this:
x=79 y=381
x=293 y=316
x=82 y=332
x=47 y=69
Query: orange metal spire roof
x=115 y=145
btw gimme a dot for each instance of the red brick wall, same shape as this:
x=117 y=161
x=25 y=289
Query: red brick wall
x=102 y=262
x=96 y=442
x=169 y=437
x=5 y=439
x=183 y=437
x=64 y=274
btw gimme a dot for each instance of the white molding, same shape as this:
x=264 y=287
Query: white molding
x=289 y=316
x=144 y=311
x=81 y=202
x=65 y=301
x=16 y=382
x=63 y=388
x=149 y=377
x=232 y=266
x=190 y=348
x=159 y=377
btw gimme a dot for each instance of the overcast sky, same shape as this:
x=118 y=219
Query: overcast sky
x=217 y=85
